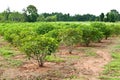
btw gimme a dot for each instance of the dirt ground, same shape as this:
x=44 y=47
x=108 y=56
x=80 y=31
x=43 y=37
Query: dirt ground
x=81 y=65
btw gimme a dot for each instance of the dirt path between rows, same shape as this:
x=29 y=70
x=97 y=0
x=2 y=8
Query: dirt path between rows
x=90 y=68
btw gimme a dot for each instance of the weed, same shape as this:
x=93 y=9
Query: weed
x=53 y=58
x=112 y=70
x=108 y=78
x=6 y=53
x=88 y=51
x=91 y=54
x=15 y=63
x=74 y=57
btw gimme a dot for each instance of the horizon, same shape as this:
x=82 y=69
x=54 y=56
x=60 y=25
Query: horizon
x=72 y=7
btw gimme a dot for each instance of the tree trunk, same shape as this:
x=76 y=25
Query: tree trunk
x=70 y=51
x=87 y=44
x=106 y=37
x=99 y=41
x=41 y=64
x=41 y=61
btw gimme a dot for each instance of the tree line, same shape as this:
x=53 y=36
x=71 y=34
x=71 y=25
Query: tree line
x=30 y=14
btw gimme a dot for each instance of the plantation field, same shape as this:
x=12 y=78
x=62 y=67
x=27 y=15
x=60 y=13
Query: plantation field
x=60 y=51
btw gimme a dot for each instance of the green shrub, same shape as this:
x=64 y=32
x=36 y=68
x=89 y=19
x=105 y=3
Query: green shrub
x=108 y=31
x=39 y=48
x=6 y=53
x=116 y=29
x=90 y=34
x=56 y=34
x=73 y=25
x=105 y=29
x=45 y=28
x=52 y=58
x=24 y=35
x=71 y=37
x=9 y=34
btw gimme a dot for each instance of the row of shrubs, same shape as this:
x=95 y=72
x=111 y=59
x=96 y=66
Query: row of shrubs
x=38 y=41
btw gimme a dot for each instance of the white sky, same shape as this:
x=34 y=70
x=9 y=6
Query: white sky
x=64 y=6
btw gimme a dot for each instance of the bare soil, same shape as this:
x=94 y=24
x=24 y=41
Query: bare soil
x=76 y=66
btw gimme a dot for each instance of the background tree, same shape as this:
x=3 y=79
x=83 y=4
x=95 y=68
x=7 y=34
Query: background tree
x=16 y=16
x=1 y=17
x=32 y=13
x=101 y=17
x=113 y=15
x=6 y=14
x=41 y=18
x=25 y=15
x=51 y=18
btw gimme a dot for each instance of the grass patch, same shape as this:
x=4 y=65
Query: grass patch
x=88 y=51
x=72 y=77
x=53 y=58
x=112 y=70
x=6 y=53
x=117 y=46
x=15 y=63
x=116 y=49
x=10 y=63
x=109 y=78
x=74 y=57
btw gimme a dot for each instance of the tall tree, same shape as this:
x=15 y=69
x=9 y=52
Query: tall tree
x=41 y=18
x=32 y=13
x=16 y=16
x=51 y=18
x=101 y=18
x=113 y=15
x=25 y=15
x=6 y=13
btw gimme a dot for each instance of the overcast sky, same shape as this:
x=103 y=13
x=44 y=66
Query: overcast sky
x=65 y=6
